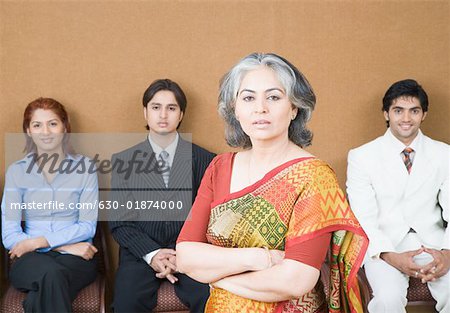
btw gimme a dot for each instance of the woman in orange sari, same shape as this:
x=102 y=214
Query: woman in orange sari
x=264 y=218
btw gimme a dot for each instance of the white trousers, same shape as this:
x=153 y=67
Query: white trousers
x=389 y=285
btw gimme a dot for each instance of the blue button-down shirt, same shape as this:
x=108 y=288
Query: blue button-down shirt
x=64 y=210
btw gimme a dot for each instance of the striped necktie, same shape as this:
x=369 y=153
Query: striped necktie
x=165 y=167
x=407 y=159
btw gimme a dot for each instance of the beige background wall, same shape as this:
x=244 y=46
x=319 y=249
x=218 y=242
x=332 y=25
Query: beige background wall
x=97 y=58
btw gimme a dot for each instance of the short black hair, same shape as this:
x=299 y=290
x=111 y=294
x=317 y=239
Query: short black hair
x=405 y=88
x=165 y=84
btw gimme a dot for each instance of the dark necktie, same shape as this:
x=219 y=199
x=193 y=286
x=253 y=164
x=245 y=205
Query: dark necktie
x=165 y=168
x=407 y=158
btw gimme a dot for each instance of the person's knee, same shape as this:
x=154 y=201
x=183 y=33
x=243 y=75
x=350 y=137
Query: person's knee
x=131 y=296
x=33 y=262
x=56 y=276
x=441 y=294
x=124 y=302
x=192 y=293
x=390 y=298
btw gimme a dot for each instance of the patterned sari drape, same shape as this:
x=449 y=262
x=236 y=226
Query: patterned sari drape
x=290 y=205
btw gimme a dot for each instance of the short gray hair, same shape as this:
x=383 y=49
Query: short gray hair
x=297 y=88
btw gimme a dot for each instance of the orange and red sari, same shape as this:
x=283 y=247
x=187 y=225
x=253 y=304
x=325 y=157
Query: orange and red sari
x=296 y=202
x=299 y=202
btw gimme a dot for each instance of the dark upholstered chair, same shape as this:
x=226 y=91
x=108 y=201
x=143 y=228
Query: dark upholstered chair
x=168 y=300
x=90 y=300
x=418 y=293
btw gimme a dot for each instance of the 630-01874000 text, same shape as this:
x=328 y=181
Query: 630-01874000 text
x=141 y=205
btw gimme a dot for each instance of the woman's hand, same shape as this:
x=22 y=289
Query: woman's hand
x=27 y=245
x=268 y=259
x=81 y=249
x=273 y=257
x=276 y=256
x=288 y=279
x=207 y=263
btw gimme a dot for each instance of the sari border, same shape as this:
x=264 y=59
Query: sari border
x=327 y=229
x=269 y=175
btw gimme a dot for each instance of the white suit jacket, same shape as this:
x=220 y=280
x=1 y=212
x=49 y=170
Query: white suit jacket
x=388 y=201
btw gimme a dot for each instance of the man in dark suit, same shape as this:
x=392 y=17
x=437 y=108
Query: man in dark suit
x=154 y=184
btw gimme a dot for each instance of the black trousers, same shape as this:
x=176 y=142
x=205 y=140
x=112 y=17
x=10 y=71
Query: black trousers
x=136 y=287
x=52 y=280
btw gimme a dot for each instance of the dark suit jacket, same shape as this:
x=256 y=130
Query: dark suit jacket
x=135 y=178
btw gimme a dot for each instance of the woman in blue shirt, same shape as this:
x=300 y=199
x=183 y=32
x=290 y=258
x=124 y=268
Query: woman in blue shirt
x=49 y=213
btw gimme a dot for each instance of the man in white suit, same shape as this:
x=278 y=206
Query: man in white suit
x=398 y=187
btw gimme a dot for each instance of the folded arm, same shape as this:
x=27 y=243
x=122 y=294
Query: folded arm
x=207 y=263
x=289 y=279
x=27 y=245
x=81 y=249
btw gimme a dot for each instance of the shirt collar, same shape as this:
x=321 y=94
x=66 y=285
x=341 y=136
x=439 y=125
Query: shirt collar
x=171 y=148
x=400 y=146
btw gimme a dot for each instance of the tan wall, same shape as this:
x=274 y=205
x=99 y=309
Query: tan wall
x=97 y=58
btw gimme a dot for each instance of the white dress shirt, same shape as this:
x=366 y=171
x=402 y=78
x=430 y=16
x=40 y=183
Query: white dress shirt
x=170 y=149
